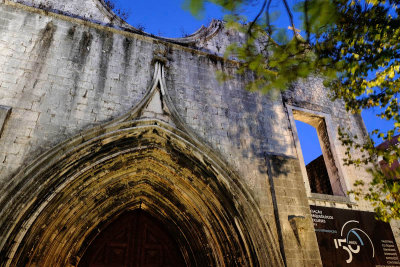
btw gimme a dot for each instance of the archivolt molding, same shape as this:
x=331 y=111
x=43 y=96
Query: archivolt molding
x=146 y=159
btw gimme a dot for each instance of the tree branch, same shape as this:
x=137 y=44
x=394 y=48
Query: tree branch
x=256 y=18
x=268 y=19
x=307 y=23
x=289 y=12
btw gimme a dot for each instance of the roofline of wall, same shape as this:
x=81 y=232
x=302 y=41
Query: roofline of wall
x=122 y=31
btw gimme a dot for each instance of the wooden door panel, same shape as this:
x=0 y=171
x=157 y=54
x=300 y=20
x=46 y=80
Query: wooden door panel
x=135 y=239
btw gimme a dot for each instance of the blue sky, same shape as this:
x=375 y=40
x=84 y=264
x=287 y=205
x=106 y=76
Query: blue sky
x=169 y=18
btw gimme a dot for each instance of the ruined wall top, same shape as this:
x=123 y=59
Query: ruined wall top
x=213 y=39
x=92 y=10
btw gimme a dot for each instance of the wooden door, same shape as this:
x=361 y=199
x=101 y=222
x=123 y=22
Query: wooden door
x=135 y=239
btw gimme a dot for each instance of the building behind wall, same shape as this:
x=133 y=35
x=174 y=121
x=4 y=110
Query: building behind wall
x=390 y=169
x=99 y=122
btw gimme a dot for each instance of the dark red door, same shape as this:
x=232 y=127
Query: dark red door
x=135 y=239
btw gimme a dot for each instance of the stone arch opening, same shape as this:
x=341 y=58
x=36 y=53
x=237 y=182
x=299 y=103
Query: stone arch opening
x=143 y=164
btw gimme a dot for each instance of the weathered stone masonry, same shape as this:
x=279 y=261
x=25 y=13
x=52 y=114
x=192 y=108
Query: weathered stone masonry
x=98 y=118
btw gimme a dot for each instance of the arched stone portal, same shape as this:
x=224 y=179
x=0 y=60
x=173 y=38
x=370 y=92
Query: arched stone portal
x=147 y=160
x=146 y=164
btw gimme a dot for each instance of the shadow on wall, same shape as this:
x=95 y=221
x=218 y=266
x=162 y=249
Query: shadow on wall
x=233 y=120
x=100 y=76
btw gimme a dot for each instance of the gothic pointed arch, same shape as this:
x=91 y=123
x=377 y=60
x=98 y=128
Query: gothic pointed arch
x=147 y=160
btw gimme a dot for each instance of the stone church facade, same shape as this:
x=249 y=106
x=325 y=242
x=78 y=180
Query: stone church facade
x=98 y=118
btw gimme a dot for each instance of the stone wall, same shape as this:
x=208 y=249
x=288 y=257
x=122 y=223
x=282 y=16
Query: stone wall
x=61 y=76
x=92 y=10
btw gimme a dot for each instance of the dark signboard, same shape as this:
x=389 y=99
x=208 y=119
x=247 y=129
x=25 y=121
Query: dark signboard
x=353 y=238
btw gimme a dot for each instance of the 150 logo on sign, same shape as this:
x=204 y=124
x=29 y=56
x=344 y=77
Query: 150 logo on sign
x=353 y=238
x=353 y=246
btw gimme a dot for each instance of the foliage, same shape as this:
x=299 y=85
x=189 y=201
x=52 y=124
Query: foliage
x=364 y=46
x=354 y=45
x=123 y=14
